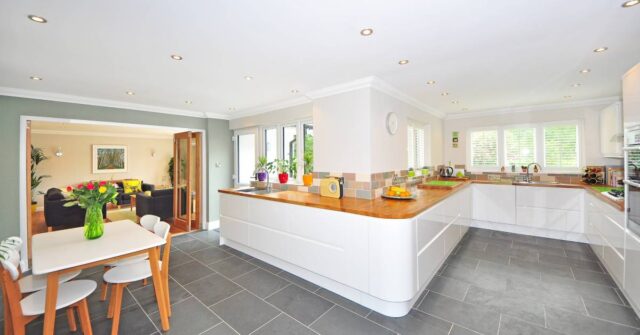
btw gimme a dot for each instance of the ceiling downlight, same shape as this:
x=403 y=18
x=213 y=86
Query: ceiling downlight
x=630 y=3
x=366 y=32
x=36 y=18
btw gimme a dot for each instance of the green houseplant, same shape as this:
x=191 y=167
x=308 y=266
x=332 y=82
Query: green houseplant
x=37 y=157
x=283 y=167
x=92 y=196
x=262 y=168
x=170 y=170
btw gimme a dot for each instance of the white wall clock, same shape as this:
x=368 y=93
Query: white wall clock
x=392 y=123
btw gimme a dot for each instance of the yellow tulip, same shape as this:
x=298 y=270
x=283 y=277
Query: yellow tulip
x=102 y=189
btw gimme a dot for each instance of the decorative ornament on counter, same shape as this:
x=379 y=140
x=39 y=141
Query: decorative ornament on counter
x=593 y=175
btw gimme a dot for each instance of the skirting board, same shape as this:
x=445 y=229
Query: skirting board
x=510 y=228
x=211 y=225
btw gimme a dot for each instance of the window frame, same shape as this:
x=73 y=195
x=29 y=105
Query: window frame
x=299 y=124
x=426 y=145
x=234 y=139
x=539 y=155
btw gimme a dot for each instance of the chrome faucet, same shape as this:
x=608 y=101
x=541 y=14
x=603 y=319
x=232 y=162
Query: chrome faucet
x=529 y=173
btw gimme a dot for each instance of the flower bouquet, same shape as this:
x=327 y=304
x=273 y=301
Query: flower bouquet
x=92 y=196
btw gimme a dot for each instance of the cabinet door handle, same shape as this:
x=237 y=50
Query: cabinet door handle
x=631 y=183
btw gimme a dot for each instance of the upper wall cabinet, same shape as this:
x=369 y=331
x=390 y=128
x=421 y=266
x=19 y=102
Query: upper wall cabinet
x=611 y=133
x=631 y=96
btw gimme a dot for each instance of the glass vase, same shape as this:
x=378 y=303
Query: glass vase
x=93 y=223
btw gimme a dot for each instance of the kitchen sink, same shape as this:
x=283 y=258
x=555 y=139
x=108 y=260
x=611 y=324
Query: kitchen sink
x=253 y=190
x=538 y=182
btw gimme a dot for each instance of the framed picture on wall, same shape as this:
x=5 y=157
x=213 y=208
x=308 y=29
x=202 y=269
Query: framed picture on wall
x=109 y=158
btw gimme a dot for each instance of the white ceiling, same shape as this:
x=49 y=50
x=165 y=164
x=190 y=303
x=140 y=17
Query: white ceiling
x=487 y=54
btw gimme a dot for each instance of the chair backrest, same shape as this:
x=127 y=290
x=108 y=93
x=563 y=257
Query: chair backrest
x=162 y=229
x=10 y=260
x=149 y=221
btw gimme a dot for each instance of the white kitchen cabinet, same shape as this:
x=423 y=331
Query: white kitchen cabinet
x=631 y=96
x=550 y=208
x=593 y=216
x=494 y=203
x=611 y=131
x=632 y=270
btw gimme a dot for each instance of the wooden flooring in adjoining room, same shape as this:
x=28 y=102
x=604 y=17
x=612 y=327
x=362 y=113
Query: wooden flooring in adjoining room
x=493 y=283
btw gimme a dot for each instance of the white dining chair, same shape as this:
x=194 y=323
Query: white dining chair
x=120 y=276
x=33 y=283
x=147 y=222
x=21 y=311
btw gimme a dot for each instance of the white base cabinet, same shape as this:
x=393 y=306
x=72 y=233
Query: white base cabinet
x=494 y=203
x=550 y=208
x=604 y=229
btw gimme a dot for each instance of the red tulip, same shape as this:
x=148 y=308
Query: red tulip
x=102 y=183
x=91 y=186
x=69 y=188
x=79 y=186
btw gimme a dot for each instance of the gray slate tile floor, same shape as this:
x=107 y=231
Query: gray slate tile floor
x=493 y=283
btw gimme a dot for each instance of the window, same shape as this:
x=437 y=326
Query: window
x=556 y=146
x=271 y=144
x=246 y=158
x=519 y=146
x=289 y=149
x=561 y=146
x=308 y=147
x=484 y=148
x=415 y=145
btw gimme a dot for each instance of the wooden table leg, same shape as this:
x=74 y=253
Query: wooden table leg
x=50 y=304
x=159 y=287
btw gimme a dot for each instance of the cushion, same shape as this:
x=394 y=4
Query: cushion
x=54 y=194
x=147 y=193
x=132 y=185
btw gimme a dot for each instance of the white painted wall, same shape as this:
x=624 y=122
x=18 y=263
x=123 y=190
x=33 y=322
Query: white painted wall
x=589 y=115
x=299 y=112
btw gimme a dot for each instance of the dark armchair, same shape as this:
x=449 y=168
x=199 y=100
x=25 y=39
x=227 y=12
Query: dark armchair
x=125 y=198
x=57 y=216
x=159 y=203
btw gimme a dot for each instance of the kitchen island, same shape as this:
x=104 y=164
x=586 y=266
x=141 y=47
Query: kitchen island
x=379 y=253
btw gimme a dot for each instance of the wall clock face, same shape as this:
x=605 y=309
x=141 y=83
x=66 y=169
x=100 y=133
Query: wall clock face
x=392 y=123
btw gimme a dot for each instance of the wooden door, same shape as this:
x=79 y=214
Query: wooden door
x=28 y=172
x=187 y=171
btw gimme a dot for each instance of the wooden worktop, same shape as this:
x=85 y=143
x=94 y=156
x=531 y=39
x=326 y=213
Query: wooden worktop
x=394 y=209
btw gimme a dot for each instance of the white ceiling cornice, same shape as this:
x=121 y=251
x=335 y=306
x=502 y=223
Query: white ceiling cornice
x=533 y=108
x=99 y=134
x=366 y=82
x=20 y=93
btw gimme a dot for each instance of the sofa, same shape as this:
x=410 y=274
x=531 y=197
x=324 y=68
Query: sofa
x=159 y=203
x=125 y=198
x=57 y=216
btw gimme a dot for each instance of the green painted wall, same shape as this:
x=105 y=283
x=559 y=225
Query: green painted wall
x=218 y=141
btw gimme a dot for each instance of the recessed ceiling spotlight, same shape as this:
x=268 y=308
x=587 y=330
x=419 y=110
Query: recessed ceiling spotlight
x=601 y=49
x=444 y=94
x=366 y=32
x=36 y=18
x=403 y=62
x=188 y=102
x=176 y=57
x=35 y=78
x=568 y=97
x=431 y=82
x=585 y=71
x=294 y=91
x=576 y=85
x=455 y=102
x=630 y=3
x=130 y=93
x=248 y=77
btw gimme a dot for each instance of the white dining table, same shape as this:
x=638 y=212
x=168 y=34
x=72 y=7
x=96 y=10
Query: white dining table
x=67 y=250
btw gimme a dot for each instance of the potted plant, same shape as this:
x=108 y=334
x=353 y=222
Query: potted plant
x=170 y=170
x=92 y=196
x=37 y=157
x=262 y=168
x=425 y=171
x=282 y=166
x=411 y=173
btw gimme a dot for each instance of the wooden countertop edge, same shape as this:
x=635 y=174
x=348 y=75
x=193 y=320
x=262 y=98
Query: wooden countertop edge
x=373 y=208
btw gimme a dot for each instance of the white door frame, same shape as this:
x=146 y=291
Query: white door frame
x=22 y=167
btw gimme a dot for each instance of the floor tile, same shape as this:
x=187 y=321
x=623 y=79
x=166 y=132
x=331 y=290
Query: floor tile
x=594 y=277
x=211 y=237
x=552 y=269
x=192 y=246
x=577 y=324
x=525 y=309
x=449 y=287
x=283 y=325
x=595 y=291
x=574 y=263
x=612 y=312
x=507 y=271
x=512 y=326
x=146 y=296
x=414 y=323
x=261 y=282
x=299 y=281
x=132 y=321
x=343 y=302
x=339 y=321
x=235 y=252
x=244 y=312
x=299 y=303
x=189 y=272
x=232 y=267
x=456 y=260
x=265 y=265
x=177 y=258
x=220 y=329
x=483 y=255
x=474 y=317
x=212 y=288
x=513 y=236
x=188 y=317
x=485 y=280
x=530 y=255
x=543 y=250
x=458 y=330
x=210 y=255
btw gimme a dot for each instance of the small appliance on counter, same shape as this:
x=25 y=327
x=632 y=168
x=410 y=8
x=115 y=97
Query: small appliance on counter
x=332 y=187
x=446 y=172
x=615 y=194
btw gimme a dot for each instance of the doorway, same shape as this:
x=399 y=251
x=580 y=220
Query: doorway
x=187 y=197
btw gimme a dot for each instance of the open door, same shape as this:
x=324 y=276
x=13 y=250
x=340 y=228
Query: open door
x=187 y=193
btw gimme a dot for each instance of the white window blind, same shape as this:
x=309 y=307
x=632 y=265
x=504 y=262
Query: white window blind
x=484 y=148
x=519 y=146
x=415 y=146
x=561 y=146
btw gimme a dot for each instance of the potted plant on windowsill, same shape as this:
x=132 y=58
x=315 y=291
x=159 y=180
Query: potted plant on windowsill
x=262 y=168
x=282 y=166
